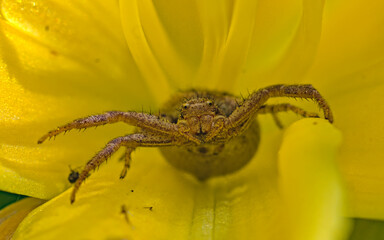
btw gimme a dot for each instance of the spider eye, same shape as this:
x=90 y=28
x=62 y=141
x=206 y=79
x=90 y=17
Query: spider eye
x=210 y=103
x=185 y=105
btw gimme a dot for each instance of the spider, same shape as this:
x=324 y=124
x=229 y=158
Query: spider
x=205 y=133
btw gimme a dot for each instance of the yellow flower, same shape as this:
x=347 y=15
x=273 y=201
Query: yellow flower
x=60 y=61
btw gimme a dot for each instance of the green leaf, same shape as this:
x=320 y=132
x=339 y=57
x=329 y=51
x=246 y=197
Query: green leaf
x=367 y=229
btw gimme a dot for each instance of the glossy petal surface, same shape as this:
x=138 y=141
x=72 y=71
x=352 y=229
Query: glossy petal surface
x=350 y=65
x=53 y=71
x=314 y=199
x=11 y=216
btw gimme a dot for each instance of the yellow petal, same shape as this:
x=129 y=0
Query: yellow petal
x=140 y=46
x=57 y=63
x=351 y=40
x=228 y=42
x=58 y=48
x=227 y=34
x=359 y=115
x=310 y=181
x=350 y=67
x=284 y=43
x=174 y=35
x=300 y=54
x=12 y=215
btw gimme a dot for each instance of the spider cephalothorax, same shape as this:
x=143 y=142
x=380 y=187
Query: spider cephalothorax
x=209 y=134
x=197 y=115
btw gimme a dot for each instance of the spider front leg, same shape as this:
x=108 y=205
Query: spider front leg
x=127 y=161
x=130 y=142
x=251 y=105
x=142 y=120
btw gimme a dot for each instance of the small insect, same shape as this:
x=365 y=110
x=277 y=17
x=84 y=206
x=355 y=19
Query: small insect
x=73 y=175
x=205 y=133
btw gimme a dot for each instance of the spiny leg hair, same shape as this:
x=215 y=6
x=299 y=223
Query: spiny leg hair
x=127 y=161
x=284 y=107
x=251 y=105
x=142 y=120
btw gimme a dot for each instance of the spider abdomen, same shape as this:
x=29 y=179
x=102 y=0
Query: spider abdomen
x=215 y=159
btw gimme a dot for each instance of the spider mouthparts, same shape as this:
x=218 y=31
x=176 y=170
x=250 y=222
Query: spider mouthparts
x=202 y=134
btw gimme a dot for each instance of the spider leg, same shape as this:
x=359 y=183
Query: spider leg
x=142 y=120
x=217 y=126
x=242 y=116
x=130 y=142
x=284 y=107
x=127 y=161
x=251 y=105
